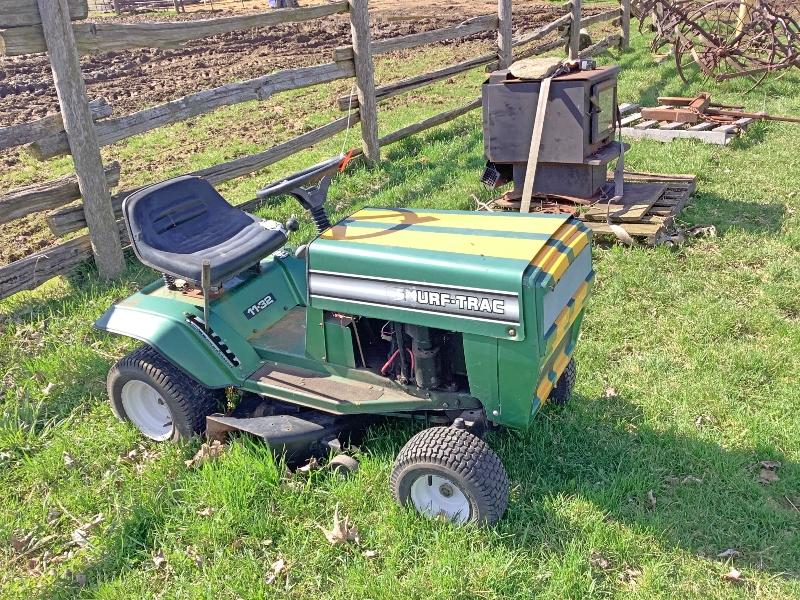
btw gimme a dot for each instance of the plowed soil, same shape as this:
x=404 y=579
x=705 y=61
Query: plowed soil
x=135 y=79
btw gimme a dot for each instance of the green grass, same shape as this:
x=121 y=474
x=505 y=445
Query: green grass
x=701 y=344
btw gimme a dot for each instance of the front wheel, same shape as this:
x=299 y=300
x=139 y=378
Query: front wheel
x=561 y=393
x=450 y=473
x=161 y=401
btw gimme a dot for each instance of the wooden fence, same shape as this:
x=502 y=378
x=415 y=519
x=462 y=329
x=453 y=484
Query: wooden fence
x=83 y=127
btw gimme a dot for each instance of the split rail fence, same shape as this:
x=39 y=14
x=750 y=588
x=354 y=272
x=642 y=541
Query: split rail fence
x=83 y=126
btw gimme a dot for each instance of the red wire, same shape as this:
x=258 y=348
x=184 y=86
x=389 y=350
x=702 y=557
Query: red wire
x=389 y=362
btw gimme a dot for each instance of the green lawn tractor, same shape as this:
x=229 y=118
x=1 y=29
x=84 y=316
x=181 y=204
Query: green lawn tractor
x=461 y=320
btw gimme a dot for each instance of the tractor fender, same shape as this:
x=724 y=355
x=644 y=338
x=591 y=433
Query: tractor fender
x=177 y=340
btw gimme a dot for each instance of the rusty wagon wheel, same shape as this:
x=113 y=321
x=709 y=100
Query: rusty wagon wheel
x=717 y=40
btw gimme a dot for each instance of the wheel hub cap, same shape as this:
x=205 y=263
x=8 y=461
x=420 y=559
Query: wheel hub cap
x=147 y=410
x=437 y=496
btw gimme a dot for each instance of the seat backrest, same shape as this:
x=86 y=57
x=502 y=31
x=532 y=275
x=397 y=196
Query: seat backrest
x=181 y=215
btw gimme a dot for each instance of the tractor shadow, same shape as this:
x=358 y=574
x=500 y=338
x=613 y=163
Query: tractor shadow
x=726 y=214
x=50 y=329
x=705 y=498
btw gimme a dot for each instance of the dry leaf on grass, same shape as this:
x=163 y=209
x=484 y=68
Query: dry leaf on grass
x=767 y=464
x=207 y=451
x=370 y=553
x=651 y=500
x=729 y=553
x=206 y=512
x=343 y=531
x=192 y=553
x=48 y=388
x=610 y=392
x=767 y=476
x=701 y=420
x=598 y=561
x=673 y=480
x=69 y=462
x=734 y=576
x=80 y=537
x=159 y=560
x=278 y=567
x=21 y=541
x=629 y=575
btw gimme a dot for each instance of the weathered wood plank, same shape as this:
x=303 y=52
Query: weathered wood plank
x=405 y=85
x=260 y=88
x=60 y=259
x=71 y=218
x=627 y=108
x=631 y=118
x=666 y=135
x=469 y=27
x=608 y=15
x=575 y=31
x=547 y=47
x=650 y=231
x=702 y=126
x=94 y=38
x=625 y=24
x=538 y=34
x=504 y=33
x=31 y=271
x=20 y=13
x=49 y=195
x=606 y=43
x=83 y=144
x=26 y=133
x=645 y=124
x=365 y=78
x=433 y=121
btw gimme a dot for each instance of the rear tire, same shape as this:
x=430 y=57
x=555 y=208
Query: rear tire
x=450 y=473
x=159 y=399
x=561 y=393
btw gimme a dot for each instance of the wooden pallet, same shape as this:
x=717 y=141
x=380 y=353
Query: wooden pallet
x=634 y=126
x=649 y=205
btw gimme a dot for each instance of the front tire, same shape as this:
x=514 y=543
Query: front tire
x=159 y=399
x=450 y=473
x=561 y=393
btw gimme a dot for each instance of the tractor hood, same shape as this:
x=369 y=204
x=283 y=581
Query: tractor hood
x=453 y=270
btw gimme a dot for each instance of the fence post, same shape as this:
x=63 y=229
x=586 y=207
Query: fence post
x=365 y=78
x=625 y=25
x=77 y=118
x=574 y=31
x=504 y=33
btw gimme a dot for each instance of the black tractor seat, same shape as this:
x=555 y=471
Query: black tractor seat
x=176 y=224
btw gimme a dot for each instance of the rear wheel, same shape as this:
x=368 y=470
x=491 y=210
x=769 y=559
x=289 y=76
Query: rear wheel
x=562 y=391
x=159 y=399
x=452 y=474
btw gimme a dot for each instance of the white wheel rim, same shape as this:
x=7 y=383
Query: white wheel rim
x=435 y=496
x=147 y=410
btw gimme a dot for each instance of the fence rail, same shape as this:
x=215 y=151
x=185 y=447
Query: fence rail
x=21 y=31
x=93 y=38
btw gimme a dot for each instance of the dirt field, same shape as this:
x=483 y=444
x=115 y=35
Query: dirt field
x=135 y=79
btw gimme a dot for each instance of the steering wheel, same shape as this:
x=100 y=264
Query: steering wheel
x=314 y=174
